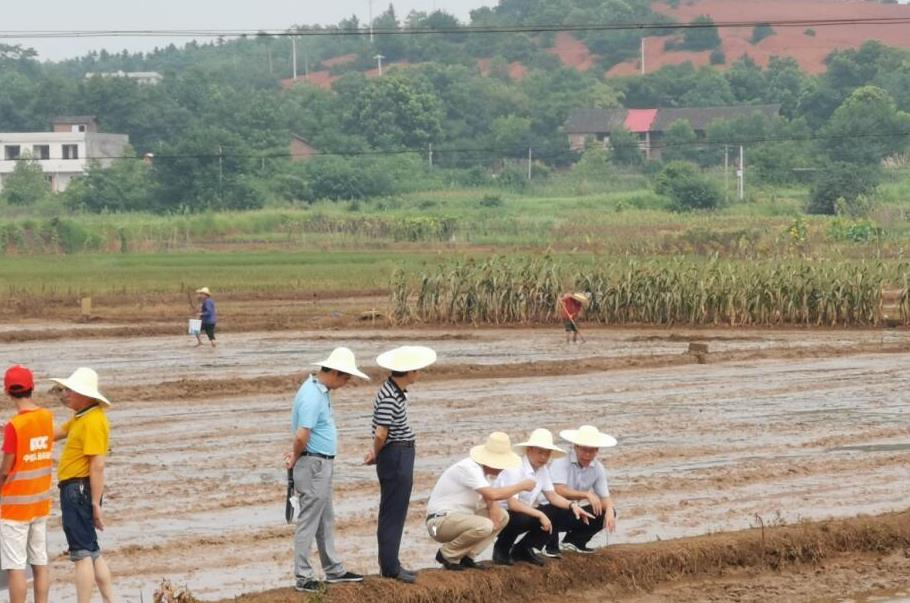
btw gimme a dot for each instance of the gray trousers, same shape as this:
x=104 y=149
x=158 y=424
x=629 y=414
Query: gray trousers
x=313 y=483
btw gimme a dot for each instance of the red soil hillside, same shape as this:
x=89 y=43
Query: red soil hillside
x=571 y=51
x=809 y=50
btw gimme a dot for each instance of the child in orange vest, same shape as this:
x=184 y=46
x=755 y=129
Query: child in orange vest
x=25 y=498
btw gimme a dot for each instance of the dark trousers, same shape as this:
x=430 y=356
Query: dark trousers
x=521 y=523
x=395 y=468
x=576 y=531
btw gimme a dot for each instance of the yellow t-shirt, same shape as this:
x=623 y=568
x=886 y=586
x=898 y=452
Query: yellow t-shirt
x=86 y=435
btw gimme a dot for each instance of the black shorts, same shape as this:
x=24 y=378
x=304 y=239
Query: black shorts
x=570 y=327
x=209 y=330
x=78 y=519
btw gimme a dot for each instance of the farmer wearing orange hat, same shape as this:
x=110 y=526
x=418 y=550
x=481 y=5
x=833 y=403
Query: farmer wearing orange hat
x=25 y=500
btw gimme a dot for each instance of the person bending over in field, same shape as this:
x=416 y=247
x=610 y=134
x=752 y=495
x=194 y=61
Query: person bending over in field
x=207 y=315
x=581 y=478
x=463 y=511
x=571 y=306
x=525 y=517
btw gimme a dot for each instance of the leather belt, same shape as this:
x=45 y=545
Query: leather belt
x=403 y=444
x=318 y=455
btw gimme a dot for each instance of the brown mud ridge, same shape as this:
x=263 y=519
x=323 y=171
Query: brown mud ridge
x=624 y=570
x=218 y=388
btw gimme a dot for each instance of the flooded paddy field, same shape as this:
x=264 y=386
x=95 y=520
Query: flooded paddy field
x=775 y=427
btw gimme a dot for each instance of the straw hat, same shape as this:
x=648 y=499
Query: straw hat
x=583 y=298
x=588 y=435
x=342 y=359
x=407 y=358
x=83 y=381
x=541 y=438
x=204 y=291
x=496 y=453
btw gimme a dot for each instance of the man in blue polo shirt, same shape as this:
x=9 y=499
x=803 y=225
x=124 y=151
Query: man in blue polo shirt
x=312 y=459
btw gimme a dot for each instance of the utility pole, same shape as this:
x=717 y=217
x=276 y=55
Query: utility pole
x=726 y=167
x=294 y=56
x=379 y=58
x=371 y=24
x=742 y=173
x=430 y=155
x=271 y=71
x=642 y=55
x=220 y=173
x=530 y=159
x=306 y=61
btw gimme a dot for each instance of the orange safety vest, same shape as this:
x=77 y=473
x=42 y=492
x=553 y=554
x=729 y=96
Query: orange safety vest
x=26 y=495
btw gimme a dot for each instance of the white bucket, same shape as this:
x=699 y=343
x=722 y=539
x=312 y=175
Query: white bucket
x=195 y=326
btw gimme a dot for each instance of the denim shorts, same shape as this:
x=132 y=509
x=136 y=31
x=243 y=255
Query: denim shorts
x=78 y=520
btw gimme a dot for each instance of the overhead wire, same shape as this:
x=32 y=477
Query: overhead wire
x=465 y=29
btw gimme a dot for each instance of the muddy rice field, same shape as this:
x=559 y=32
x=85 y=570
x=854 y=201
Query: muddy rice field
x=772 y=427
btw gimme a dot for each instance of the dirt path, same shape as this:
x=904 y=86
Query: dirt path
x=196 y=485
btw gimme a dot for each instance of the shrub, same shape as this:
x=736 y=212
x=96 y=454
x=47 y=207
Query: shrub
x=718 y=57
x=840 y=183
x=761 y=31
x=687 y=188
x=703 y=34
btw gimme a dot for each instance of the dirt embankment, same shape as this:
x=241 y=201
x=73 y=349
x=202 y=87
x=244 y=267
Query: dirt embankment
x=630 y=569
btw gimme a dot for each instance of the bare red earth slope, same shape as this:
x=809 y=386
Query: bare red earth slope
x=808 y=49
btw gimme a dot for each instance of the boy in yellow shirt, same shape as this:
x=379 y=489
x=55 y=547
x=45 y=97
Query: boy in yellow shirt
x=80 y=475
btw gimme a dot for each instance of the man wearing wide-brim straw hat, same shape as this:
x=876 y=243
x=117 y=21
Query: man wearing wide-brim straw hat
x=312 y=459
x=525 y=516
x=207 y=315
x=463 y=511
x=393 y=452
x=581 y=477
x=80 y=475
x=571 y=305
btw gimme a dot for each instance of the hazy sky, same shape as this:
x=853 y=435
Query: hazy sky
x=181 y=14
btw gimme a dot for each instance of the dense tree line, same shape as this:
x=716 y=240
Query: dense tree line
x=219 y=125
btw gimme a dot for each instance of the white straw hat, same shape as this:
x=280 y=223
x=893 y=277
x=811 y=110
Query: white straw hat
x=496 y=453
x=588 y=435
x=342 y=359
x=204 y=291
x=407 y=358
x=541 y=438
x=83 y=381
x=583 y=298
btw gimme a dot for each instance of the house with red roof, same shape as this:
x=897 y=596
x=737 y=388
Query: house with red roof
x=585 y=125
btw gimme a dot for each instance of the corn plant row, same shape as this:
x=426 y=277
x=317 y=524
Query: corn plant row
x=662 y=292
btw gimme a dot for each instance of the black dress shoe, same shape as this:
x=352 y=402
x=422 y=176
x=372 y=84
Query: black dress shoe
x=406 y=576
x=500 y=558
x=528 y=556
x=468 y=563
x=455 y=567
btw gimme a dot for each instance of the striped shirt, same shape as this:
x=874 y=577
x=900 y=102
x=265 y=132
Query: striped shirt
x=390 y=409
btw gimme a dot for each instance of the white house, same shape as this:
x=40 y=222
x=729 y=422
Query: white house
x=64 y=153
x=149 y=78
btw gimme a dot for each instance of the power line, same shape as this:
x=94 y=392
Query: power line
x=467 y=29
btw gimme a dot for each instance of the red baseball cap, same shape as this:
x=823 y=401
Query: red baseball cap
x=18 y=379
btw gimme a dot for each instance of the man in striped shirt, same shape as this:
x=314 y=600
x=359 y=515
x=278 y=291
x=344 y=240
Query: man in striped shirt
x=393 y=452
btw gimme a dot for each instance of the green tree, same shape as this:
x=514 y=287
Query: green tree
x=26 y=184
x=398 y=110
x=511 y=135
x=747 y=82
x=124 y=186
x=866 y=128
x=703 y=34
x=625 y=147
x=680 y=142
x=687 y=188
x=838 y=180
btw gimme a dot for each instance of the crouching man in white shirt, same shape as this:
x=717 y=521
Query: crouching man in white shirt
x=536 y=523
x=580 y=477
x=462 y=512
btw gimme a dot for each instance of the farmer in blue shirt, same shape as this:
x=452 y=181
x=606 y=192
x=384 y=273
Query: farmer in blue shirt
x=208 y=316
x=312 y=459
